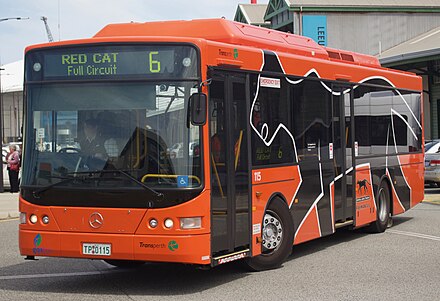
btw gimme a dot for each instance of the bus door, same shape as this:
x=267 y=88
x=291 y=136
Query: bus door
x=343 y=158
x=230 y=196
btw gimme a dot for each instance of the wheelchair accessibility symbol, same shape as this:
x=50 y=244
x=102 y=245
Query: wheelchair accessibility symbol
x=182 y=181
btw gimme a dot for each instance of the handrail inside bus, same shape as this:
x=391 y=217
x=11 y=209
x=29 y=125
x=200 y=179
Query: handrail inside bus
x=214 y=165
x=138 y=146
x=237 y=152
x=167 y=177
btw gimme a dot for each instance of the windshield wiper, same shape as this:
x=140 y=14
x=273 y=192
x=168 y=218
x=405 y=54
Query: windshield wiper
x=157 y=194
x=36 y=193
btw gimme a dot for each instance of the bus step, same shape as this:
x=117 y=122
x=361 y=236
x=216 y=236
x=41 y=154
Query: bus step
x=343 y=224
x=231 y=257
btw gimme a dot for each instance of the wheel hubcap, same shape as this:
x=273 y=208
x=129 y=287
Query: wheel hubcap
x=382 y=205
x=272 y=232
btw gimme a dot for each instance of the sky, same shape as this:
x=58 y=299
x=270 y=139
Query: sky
x=73 y=19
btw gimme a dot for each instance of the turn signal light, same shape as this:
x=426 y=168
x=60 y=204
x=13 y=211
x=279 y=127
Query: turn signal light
x=22 y=217
x=191 y=222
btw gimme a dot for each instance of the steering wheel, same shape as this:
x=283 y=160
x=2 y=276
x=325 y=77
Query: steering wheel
x=65 y=150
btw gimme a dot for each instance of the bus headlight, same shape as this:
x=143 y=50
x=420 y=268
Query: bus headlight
x=168 y=223
x=33 y=219
x=191 y=222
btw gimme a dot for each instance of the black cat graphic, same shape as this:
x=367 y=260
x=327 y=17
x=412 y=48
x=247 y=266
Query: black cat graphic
x=362 y=185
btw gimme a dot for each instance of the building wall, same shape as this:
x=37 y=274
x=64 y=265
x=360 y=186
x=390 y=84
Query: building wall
x=12 y=108
x=369 y=32
x=364 y=32
x=284 y=22
x=435 y=101
x=426 y=108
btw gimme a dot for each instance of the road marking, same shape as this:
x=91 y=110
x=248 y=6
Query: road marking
x=412 y=234
x=9 y=219
x=432 y=202
x=14 y=277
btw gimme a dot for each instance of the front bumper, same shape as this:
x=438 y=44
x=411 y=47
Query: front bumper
x=191 y=249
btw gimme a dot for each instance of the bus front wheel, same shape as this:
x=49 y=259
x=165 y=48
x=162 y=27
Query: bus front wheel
x=382 y=210
x=277 y=237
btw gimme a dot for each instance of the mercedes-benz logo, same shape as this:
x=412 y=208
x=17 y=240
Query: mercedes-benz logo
x=96 y=220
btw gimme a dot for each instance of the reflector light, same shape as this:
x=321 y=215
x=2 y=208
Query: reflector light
x=22 y=217
x=33 y=219
x=169 y=223
x=153 y=223
x=45 y=219
x=191 y=222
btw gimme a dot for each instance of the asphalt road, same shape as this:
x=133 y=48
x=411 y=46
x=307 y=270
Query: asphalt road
x=401 y=264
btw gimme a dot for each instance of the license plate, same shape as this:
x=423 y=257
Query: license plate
x=97 y=249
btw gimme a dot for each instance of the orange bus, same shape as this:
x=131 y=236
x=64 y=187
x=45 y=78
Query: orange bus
x=208 y=141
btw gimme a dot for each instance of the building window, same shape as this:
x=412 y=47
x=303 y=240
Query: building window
x=436 y=77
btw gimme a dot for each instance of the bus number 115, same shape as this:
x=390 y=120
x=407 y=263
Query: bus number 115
x=257 y=176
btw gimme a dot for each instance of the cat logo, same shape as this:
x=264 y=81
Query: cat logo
x=362 y=186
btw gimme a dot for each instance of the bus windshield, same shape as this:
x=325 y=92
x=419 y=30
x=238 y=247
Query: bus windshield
x=139 y=128
x=107 y=119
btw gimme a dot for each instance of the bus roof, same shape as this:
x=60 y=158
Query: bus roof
x=230 y=32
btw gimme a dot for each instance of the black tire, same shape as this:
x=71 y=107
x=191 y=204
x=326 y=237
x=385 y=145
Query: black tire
x=382 y=209
x=125 y=264
x=278 y=245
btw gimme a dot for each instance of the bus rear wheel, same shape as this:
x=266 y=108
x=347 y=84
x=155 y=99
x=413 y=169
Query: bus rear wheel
x=125 y=264
x=382 y=209
x=277 y=237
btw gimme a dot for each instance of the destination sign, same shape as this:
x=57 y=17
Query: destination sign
x=109 y=63
x=113 y=62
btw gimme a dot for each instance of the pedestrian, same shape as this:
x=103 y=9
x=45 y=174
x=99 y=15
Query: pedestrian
x=13 y=160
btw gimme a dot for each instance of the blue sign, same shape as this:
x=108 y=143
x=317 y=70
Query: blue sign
x=315 y=27
x=182 y=181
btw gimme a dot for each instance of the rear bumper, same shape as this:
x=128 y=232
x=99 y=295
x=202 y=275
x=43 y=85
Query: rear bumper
x=192 y=249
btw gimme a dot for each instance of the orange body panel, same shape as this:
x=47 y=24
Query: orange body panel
x=121 y=221
x=365 y=199
x=129 y=247
x=310 y=228
x=413 y=170
x=126 y=230
x=284 y=180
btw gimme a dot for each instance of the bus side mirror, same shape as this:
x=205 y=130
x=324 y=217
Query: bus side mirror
x=198 y=104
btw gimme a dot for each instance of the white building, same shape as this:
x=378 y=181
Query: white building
x=11 y=100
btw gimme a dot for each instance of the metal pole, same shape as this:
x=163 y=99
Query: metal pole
x=1 y=131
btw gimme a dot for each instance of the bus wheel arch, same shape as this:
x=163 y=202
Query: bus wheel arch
x=277 y=236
